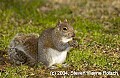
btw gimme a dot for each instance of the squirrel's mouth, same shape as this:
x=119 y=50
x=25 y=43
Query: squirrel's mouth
x=65 y=39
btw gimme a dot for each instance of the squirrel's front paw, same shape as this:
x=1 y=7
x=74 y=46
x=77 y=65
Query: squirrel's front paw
x=73 y=43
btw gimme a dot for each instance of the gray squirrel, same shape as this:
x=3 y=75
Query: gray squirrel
x=50 y=47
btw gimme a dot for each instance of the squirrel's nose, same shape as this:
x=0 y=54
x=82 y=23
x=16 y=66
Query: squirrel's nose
x=73 y=35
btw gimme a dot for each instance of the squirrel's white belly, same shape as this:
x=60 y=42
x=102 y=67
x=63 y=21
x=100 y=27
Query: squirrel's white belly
x=56 y=56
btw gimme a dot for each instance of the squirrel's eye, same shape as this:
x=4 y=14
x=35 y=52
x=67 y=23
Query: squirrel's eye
x=64 y=28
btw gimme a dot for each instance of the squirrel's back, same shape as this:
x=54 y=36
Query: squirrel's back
x=45 y=38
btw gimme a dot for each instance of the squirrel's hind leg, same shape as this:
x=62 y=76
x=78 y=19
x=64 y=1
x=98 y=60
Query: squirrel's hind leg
x=16 y=56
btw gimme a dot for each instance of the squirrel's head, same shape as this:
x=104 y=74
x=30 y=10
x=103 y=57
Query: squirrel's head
x=65 y=30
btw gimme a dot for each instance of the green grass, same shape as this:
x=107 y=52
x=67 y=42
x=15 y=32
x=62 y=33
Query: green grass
x=99 y=46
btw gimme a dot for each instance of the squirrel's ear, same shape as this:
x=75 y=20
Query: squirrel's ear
x=59 y=22
x=65 y=20
x=58 y=25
